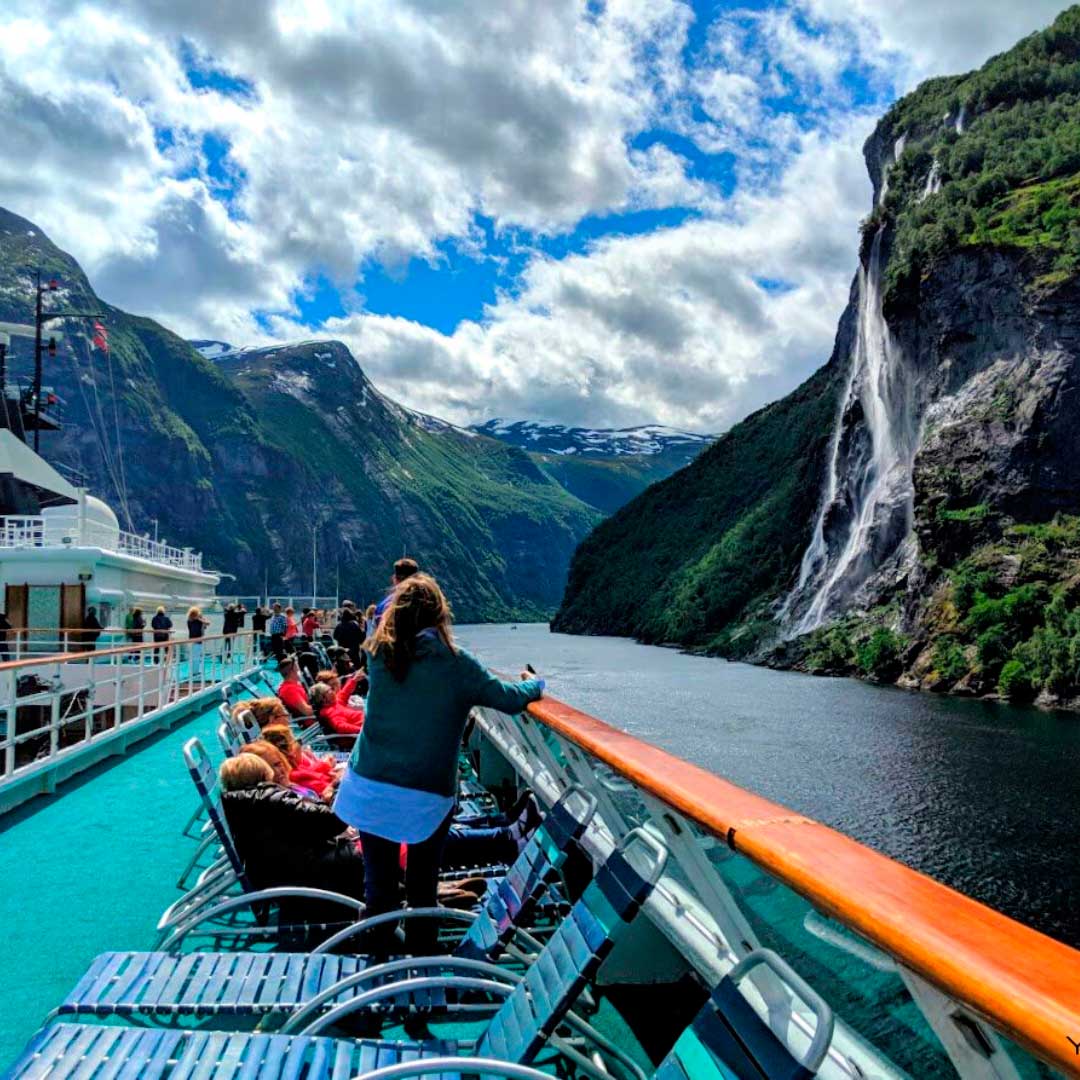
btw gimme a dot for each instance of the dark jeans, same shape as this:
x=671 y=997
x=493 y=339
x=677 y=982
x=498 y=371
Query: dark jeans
x=277 y=645
x=382 y=886
x=469 y=847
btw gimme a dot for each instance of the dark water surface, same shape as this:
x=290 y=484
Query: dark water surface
x=983 y=797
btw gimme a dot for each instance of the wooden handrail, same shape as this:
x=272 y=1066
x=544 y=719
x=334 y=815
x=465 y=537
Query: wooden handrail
x=1023 y=983
x=62 y=657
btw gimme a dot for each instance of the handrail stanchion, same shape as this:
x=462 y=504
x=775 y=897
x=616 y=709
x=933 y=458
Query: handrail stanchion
x=54 y=720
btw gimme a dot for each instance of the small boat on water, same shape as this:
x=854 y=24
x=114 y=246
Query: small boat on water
x=661 y=921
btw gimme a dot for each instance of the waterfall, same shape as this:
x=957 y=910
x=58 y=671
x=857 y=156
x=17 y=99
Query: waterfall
x=933 y=181
x=961 y=116
x=866 y=506
x=898 y=149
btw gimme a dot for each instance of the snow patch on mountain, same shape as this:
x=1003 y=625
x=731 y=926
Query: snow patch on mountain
x=212 y=349
x=644 y=440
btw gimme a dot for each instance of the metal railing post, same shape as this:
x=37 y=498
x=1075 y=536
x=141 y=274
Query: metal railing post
x=54 y=722
x=118 y=663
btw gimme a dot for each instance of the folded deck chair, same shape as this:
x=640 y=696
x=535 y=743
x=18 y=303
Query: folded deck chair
x=161 y=984
x=531 y=1012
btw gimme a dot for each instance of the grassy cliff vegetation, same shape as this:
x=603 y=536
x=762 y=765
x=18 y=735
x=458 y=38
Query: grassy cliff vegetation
x=1004 y=620
x=693 y=559
x=1008 y=178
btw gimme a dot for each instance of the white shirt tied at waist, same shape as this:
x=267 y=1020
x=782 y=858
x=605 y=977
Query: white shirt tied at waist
x=406 y=815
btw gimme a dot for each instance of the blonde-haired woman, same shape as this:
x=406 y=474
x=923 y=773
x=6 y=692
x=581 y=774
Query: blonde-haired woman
x=267 y=711
x=196 y=627
x=401 y=783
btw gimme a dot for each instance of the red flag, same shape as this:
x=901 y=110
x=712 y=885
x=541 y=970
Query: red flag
x=101 y=337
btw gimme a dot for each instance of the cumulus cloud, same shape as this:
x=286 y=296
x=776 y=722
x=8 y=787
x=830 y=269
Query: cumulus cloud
x=692 y=325
x=208 y=162
x=371 y=132
x=921 y=38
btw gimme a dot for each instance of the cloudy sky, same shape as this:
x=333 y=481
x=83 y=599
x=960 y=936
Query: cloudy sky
x=601 y=213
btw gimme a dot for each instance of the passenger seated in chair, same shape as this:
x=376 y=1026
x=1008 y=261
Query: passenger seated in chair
x=334 y=717
x=291 y=691
x=280 y=764
x=285 y=839
x=340 y=659
x=267 y=710
x=306 y=769
x=355 y=685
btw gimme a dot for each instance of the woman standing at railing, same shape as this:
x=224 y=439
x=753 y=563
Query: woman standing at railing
x=135 y=624
x=401 y=783
x=161 y=625
x=196 y=627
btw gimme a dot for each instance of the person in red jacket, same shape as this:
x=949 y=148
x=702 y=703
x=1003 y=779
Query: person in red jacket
x=352 y=685
x=306 y=769
x=309 y=624
x=291 y=690
x=334 y=717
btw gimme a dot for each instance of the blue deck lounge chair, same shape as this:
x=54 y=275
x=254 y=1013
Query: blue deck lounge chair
x=530 y=1013
x=164 y=985
x=727 y=1040
x=226 y=874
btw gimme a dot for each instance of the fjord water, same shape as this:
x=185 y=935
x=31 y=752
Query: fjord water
x=981 y=796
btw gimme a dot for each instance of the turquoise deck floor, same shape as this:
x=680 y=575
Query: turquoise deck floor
x=90 y=869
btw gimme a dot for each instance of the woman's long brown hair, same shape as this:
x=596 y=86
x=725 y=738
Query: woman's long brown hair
x=418 y=605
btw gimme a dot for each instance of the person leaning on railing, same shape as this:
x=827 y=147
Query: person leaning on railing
x=161 y=627
x=402 y=777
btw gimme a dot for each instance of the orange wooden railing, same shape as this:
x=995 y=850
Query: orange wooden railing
x=1023 y=983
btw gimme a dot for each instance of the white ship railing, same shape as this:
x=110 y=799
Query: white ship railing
x=920 y=980
x=56 y=707
x=36 y=532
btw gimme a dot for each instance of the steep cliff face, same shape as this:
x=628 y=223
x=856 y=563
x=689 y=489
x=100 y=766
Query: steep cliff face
x=938 y=547
x=252 y=458
x=377 y=479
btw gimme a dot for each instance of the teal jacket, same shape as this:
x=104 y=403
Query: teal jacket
x=413 y=729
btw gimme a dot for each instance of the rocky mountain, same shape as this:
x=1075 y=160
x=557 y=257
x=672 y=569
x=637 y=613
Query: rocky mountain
x=909 y=513
x=254 y=456
x=644 y=441
x=603 y=467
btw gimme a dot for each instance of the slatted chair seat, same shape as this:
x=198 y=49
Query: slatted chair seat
x=529 y=1015
x=154 y=983
x=163 y=984
x=114 y=1053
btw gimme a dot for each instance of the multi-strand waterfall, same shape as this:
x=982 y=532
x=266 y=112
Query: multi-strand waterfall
x=866 y=505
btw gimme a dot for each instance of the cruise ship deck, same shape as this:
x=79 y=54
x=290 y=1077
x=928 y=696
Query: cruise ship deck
x=766 y=945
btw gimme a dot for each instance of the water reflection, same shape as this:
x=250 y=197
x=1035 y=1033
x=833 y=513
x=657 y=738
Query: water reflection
x=981 y=796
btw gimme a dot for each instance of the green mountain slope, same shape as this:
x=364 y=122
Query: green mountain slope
x=609 y=483
x=969 y=584
x=247 y=461
x=692 y=554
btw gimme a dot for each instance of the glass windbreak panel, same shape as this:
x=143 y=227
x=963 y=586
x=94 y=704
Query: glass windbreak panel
x=860 y=983
x=1027 y=1067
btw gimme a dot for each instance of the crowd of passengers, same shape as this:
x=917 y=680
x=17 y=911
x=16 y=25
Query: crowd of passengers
x=382 y=825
